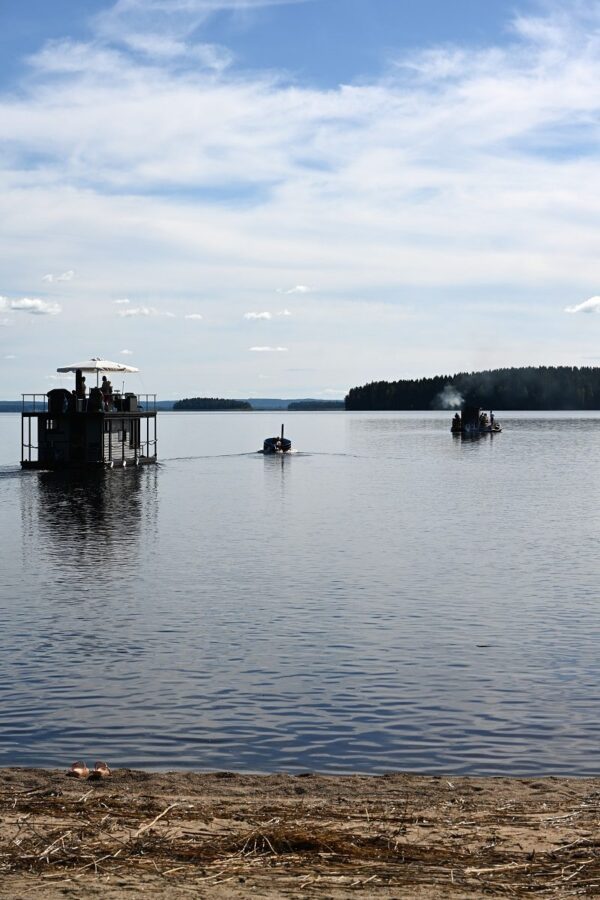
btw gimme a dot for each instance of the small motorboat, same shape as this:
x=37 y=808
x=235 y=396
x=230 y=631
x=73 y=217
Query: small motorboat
x=279 y=444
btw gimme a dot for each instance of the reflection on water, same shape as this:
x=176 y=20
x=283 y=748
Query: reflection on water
x=388 y=597
x=84 y=519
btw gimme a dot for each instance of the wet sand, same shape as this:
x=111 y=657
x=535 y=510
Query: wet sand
x=224 y=835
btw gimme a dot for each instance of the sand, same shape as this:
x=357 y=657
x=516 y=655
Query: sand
x=225 y=835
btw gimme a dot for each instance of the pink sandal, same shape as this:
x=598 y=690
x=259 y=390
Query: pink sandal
x=78 y=770
x=101 y=770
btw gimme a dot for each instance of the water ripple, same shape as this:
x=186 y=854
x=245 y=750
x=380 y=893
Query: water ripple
x=387 y=599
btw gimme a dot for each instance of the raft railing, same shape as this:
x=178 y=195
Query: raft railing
x=34 y=403
x=39 y=402
x=147 y=401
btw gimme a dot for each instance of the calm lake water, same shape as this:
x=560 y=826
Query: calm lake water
x=389 y=597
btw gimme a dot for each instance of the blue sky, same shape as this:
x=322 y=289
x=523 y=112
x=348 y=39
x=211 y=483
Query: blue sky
x=271 y=198
x=321 y=41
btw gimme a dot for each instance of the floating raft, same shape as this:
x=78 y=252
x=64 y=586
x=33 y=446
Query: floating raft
x=102 y=427
x=474 y=421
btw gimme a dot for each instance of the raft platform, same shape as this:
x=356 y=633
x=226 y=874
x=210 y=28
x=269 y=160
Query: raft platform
x=59 y=431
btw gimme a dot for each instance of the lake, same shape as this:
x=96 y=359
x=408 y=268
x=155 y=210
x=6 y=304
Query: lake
x=387 y=597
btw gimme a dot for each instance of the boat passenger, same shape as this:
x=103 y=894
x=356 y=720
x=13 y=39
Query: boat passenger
x=106 y=388
x=79 y=385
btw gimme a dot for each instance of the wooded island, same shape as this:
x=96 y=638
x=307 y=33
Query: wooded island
x=212 y=403
x=528 y=388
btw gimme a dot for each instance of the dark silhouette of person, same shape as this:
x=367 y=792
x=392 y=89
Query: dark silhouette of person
x=106 y=388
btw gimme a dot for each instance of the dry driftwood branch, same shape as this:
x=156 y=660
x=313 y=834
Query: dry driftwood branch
x=155 y=820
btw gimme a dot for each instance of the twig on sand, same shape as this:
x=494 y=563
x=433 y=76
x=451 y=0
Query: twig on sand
x=51 y=846
x=156 y=819
x=504 y=868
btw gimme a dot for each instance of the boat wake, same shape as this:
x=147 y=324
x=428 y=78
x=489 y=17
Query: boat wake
x=11 y=472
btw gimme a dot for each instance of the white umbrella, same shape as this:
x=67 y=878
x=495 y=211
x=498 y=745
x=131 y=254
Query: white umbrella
x=97 y=365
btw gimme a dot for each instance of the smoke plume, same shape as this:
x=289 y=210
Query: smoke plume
x=449 y=398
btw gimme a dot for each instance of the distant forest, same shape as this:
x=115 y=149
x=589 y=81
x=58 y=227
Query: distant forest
x=195 y=403
x=546 y=387
x=315 y=405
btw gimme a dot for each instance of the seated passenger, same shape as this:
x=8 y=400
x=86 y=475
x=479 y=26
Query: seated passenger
x=96 y=400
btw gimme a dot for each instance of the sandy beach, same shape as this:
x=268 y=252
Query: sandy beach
x=225 y=835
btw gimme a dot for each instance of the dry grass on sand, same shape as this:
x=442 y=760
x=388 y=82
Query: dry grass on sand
x=139 y=834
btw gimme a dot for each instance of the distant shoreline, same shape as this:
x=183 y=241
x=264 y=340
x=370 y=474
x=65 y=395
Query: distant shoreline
x=251 y=405
x=446 y=412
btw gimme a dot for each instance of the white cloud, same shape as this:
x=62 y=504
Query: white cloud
x=164 y=30
x=588 y=306
x=122 y=301
x=165 y=49
x=193 y=316
x=269 y=349
x=66 y=276
x=158 y=46
x=211 y=56
x=266 y=315
x=35 y=306
x=10 y=356
x=436 y=141
x=147 y=311
x=455 y=174
x=298 y=289
x=126 y=352
x=70 y=58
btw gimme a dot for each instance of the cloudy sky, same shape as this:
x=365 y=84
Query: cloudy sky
x=292 y=197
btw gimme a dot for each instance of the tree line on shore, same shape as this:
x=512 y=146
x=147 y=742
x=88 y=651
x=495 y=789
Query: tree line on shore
x=315 y=405
x=196 y=403
x=218 y=403
x=527 y=388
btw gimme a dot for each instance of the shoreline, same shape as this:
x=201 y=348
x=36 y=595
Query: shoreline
x=229 y=835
